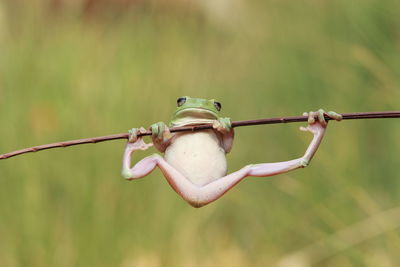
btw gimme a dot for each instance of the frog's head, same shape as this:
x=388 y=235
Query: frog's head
x=197 y=108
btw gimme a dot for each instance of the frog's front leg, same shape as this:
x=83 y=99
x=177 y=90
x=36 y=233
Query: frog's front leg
x=225 y=132
x=161 y=136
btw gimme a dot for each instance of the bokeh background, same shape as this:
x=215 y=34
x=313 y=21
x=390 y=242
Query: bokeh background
x=82 y=68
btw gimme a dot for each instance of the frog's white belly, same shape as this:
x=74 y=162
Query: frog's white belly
x=198 y=156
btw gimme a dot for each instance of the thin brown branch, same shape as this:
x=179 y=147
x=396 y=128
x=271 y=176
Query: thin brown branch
x=346 y=116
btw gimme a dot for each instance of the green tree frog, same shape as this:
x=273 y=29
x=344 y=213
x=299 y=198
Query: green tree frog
x=194 y=163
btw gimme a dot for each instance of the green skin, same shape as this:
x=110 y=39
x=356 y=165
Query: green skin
x=196 y=111
x=197 y=108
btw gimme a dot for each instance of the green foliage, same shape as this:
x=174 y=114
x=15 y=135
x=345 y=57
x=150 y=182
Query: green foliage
x=65 y=76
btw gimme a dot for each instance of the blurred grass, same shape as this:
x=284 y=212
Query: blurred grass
x=64 y=76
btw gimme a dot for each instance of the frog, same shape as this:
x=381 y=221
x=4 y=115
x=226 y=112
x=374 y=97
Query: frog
x=194 y=162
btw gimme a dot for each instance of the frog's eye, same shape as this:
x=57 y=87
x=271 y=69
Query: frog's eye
x=180 y=101
x=217 y=105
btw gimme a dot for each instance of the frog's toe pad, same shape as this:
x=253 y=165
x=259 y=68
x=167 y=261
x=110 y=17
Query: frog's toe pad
x=223 y=125
x=133 y=134
x=334 y=115
x=160 y=131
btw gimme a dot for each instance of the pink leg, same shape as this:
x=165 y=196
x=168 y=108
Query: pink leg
x=269 y=169
x=198 y=196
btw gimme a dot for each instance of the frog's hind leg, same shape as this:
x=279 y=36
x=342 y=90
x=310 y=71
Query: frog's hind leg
x=196 y=195
x=143 y=167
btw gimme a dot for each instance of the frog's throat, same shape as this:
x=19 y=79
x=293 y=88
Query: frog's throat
x=190 y=121
x=200 y=113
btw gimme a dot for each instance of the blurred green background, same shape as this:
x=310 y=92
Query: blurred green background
x=75 y=69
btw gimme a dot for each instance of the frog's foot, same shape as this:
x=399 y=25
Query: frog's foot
x=314 y=116
x=317 y=122
x=223 y=125
x=135 y=142
x=160 y=131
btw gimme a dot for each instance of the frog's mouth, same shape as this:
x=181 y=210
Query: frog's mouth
x=196 y=113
